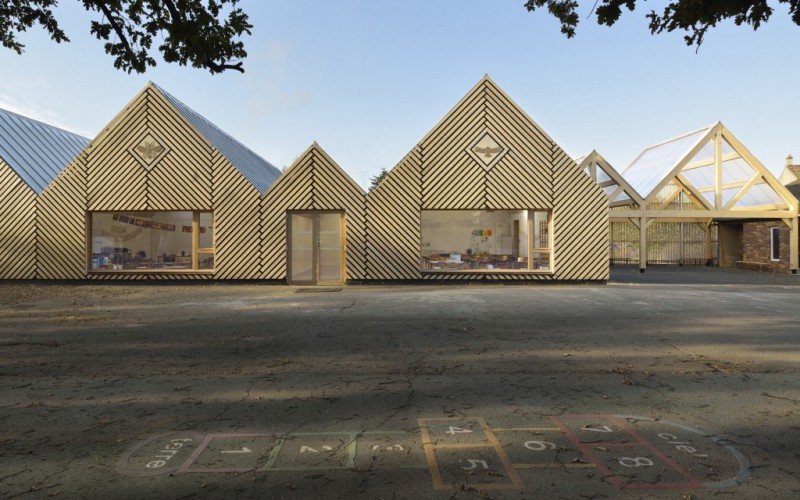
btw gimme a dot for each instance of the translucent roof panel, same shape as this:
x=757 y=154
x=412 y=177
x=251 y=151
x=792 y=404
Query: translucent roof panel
x=759 y=194
x=736 y=170
x=609 y=190
x=655 y=162
x=623 y=196
x=726 y=148
x=728 y=194
x=35 y=151
x=710 y=197
x=700 y=177
x=602 y=176
x=706 y=153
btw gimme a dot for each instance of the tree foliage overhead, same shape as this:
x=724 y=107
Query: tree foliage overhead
x=695 y=17
x=201 y=33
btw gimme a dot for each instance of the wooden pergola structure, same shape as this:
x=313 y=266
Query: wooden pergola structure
x=711 y=168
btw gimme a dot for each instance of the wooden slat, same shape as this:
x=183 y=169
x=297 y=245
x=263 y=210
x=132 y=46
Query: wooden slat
x=18 y=234
x=393 y=223
x=182 y=179
x=237 y=227
x=61 y=225
x=580 y=223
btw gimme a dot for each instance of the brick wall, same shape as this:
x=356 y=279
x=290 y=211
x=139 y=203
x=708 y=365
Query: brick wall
x=756 y=241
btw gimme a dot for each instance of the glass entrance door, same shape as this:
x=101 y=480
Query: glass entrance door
x=316 y=248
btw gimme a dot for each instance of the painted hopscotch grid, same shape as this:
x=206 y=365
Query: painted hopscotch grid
x=490 y=443
x=372 y=466
x=542 y=465
x=275 y=454
x=188 y=465
x=638 y=442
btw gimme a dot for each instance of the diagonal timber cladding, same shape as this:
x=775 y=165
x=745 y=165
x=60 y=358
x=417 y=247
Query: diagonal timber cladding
x=18 y=239
x=485 y=154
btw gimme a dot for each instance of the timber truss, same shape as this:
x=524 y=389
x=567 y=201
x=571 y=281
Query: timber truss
x=709 y=167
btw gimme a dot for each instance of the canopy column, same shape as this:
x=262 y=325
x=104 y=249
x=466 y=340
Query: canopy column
x=709 y=250
x=642 y=244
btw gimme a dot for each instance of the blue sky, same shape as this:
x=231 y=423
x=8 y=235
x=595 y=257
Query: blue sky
x=367 y=79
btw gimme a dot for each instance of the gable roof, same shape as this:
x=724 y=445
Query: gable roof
x=656 y=162
x=261 y=173
x=713 y=168
x=37 y=152
x=616 y=188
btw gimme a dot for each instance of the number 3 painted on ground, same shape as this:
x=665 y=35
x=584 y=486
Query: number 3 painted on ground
x=635 y=462
x=539 y=445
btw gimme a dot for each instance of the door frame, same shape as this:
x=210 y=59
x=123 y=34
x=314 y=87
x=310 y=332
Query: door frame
x=315 y=227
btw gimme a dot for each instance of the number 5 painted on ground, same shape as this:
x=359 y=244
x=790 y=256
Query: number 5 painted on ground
x=475 y=464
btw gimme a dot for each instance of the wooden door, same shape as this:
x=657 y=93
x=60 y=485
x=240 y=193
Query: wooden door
x=316 y=252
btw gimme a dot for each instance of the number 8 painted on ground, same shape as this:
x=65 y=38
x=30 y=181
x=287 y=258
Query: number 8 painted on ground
x=635 y=462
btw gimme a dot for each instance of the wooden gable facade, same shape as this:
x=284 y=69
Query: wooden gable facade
x=487 y=154
x=187 y=174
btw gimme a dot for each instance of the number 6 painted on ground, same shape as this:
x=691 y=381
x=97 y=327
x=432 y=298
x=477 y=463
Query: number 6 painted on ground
x=539 y=445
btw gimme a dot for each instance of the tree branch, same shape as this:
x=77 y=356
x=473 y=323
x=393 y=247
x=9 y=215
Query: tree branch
x=117 y=29
x=219 y=68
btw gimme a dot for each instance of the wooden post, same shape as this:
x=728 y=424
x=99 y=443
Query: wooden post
x=793 y=247
x=718 y=170
x=642 y=244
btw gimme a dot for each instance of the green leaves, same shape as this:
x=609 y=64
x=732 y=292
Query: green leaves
x=201 y=33
x=192 y=32
x=17 y=16
x=692 y=16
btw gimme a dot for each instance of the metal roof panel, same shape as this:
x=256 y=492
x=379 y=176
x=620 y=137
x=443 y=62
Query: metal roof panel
x=256 y=169
x=37 y=152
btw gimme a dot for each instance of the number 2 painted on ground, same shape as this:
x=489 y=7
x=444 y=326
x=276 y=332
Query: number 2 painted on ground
x=457 y=430
x=602 y=428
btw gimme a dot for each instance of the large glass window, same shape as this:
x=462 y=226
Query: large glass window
x=486 y=240
x=151 y=241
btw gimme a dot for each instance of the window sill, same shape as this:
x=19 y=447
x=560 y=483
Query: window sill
x=486 y=271
x=151 y=271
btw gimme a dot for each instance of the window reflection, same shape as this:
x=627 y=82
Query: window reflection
x=485 y=240
x=142 y=241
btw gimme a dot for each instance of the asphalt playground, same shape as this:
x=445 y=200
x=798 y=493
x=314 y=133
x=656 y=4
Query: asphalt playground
x=675 y=383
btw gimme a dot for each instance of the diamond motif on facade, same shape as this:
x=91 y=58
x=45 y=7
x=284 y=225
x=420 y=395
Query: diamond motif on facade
x=148 y=151
x=487 y=150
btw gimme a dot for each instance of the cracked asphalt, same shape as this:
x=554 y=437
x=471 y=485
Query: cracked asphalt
x=96 y=381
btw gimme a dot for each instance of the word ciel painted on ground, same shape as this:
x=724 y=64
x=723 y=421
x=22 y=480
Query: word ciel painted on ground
x=628 y=452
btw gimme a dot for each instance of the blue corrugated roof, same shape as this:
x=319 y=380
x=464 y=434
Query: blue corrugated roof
x=256 y=169
x=35 y=151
